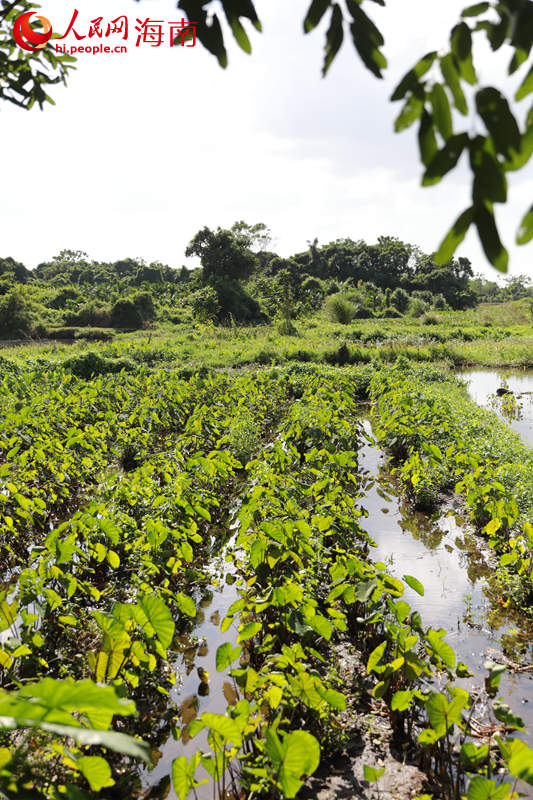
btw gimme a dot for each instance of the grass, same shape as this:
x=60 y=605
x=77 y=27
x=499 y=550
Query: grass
x=490 y=335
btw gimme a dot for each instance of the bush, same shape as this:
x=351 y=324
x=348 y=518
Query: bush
x=90 y=364
x=286 y=328
x=90 y=314
x=392 y=313
x=205 y=305
x=125 y=314
x=362 y=312
x=417 y=307
x=15 y=315
x=429 y=319
x=340 y=309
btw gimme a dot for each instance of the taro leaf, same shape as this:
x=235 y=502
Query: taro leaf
x=119 y=742
x=525 y=231
x=489 y=237
x=158 y=619
x=441 y=648
x=494 y=110
x=186 y=604
x=445 y=160
x=376 y=656
x=437 y=708
x=521 y=765
x=96 y=770
x=334 y=37
x=226 y=655
x=401 y=700
x=249 y=631
x=224 y=726
x=183 y=774
x=333 y=698
x=484 y=789
x=316 y=11
x=297 y=754
x=414 y=584
x=454 y=237
x=372 y=774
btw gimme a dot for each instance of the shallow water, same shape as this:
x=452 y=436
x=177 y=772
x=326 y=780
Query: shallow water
x=516 y=410
x=452 y=565
x=440 y=552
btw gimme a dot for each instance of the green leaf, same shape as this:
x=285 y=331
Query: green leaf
x=226 y=655
x=427 y=141
x=454 y=237
x=372 y=774
x=451 y=77
x=183 y=775
x=186 y=604
x=521 y=765
x=437 y=707
x=475 y=10
x=494 y=110
x=526 y=87
x=445 y=159
x=489 y=237
x=97 y=772
x=489 y=177
x=411 y=80
x=376 y=656
x=414 y=584
x=441 y=111
x=367 y=39
x=249 y=631
x=315 y=12
x=158 y=618
x=525 y=231
x=441 y=648
x=461 y=43
x=297 y=754
x=409 y=114
x=401 y=700
x=334 y=37
x=224 y=726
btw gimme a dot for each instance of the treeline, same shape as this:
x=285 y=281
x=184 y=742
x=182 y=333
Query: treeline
x=240 y=278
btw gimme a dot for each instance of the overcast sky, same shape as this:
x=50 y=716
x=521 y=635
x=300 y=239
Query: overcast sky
x=142 y=149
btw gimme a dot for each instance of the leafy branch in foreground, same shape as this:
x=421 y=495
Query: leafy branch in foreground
x=432 y=90
x=25 y=75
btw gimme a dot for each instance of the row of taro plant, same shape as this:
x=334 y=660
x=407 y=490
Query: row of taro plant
x=307 y=584
x=445 y=442
x=104 y=592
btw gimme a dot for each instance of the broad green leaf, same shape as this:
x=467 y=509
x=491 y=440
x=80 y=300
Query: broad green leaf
x=441 y=648
x=494 y=109
x=186 y=604
x=226 y=655
x=414 y=583
x=97 y=772
x=376 y=656
x=489 y=237
x=401 y=700
x=441 y=111
x=372 y=774
x=158 y=618
x=249 y=631
x=445 y=159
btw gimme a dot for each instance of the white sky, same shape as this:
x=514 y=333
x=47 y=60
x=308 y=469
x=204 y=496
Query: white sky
x=142 y=149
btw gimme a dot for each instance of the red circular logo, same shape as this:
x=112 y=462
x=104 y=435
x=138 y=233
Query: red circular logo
x=26 y=37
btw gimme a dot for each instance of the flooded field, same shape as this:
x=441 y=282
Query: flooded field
x=515 y=401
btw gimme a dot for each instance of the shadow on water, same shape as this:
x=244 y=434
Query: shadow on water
x=454 y=567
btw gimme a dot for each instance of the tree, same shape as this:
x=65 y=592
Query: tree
x=15 y=314
x=258 y=236
x=223 y=254
x=26 y=74
x=492 y=137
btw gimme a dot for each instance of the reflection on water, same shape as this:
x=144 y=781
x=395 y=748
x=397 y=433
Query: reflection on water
x=514 y=403
x=455 y=572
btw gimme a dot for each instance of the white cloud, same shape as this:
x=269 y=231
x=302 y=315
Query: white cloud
x=143 y=149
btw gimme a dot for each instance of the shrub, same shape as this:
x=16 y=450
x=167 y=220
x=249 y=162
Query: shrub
x=392 y=313
x=90 y=314
x=90 y=364
x=429 y=319
x=340 y=309
x=125 y=314
x=286 y=328
x=15 y=314
x=362 y=312
x=417 y=307
x=205 y=305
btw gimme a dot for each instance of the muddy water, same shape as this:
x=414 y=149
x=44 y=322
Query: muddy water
x=517 y=409
x=454 y=569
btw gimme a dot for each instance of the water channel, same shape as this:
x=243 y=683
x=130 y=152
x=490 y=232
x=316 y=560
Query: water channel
x=453 y=564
